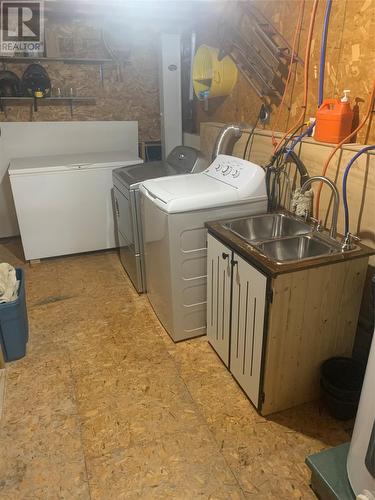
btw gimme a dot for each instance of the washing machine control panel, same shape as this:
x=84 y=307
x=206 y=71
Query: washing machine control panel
x=232 y=170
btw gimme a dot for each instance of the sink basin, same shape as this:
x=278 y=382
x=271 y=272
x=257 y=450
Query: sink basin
x=297 y=248
x=267 y=227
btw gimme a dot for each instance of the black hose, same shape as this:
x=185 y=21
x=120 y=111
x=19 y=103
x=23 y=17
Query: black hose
x=274 y=166
x=300 y=167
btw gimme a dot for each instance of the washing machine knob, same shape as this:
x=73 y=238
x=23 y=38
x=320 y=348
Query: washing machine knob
x=226 y=170
x=218 y=167
x=235 y=173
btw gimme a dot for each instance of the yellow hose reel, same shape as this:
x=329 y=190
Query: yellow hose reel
x=211 y=77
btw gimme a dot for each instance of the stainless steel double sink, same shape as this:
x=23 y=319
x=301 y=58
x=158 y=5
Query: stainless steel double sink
x=282 y=237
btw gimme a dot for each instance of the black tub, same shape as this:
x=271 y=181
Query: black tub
x=341 y=382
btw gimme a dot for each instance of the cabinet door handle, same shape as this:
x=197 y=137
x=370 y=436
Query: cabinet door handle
x=234 y=262
x=225 y=255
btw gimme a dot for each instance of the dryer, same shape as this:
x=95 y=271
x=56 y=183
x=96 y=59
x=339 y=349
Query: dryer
x=174 y=211
x=126 y=182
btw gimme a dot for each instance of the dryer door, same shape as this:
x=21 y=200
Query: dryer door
x=124 y=215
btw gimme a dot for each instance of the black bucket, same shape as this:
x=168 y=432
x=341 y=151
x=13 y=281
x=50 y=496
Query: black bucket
x=341 y=382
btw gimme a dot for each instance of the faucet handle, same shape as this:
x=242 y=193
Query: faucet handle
x=348 y=240
x=354 y=237
x=318 y=222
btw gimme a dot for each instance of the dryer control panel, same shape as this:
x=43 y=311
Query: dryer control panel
x=234 y=171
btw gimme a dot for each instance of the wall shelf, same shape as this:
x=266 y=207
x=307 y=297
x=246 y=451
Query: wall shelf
x=65 y=60
x=35 y=102
x=48 y=99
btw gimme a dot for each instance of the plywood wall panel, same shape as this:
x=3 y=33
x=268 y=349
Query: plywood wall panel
x=349 y=62
x=134 y=96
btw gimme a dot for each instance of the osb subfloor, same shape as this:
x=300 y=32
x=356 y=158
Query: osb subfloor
x=106 y=406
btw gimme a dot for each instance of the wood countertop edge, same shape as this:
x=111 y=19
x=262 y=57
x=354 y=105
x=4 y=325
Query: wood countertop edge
x=253 y=256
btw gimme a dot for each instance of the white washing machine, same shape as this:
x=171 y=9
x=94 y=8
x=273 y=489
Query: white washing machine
x=174 y=211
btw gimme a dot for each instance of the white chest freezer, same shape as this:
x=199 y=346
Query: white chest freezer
x=64 y=202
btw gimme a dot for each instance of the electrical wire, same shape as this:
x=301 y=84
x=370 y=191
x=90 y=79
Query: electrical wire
x=369 y=125
x=344 y=185
x=297 y=30
x=306 y=75
x=251 y=133
x=325 y=167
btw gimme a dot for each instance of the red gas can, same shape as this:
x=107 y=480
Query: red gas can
x=334 y=120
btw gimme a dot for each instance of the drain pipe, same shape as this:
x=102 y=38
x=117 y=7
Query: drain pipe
x=227 y=138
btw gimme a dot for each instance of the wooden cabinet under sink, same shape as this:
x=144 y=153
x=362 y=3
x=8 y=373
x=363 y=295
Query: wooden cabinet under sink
x=274 y=331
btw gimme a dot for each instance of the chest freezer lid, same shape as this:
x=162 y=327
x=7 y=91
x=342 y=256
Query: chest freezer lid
x=71 y=161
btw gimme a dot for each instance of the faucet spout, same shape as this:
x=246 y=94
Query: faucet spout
x=336 y=199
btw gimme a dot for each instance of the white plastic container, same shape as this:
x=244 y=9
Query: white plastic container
x=359 y=475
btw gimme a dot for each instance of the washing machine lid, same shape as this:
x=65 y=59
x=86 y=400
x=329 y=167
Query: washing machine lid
x=227 y=181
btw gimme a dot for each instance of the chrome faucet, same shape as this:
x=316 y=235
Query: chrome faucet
x=336 y=200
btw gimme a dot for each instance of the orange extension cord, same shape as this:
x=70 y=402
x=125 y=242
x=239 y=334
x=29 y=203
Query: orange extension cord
x=297 y=30
x=324 y=171
x=301 y=117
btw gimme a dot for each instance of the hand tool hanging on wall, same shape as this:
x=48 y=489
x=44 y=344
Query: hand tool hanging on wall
x=296 y=36
x=258 y=49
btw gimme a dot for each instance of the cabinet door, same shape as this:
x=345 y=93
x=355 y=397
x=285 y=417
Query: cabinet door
x=219 y=272
x=248 y=308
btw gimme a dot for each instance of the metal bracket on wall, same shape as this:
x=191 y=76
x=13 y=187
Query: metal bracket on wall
x=101 y=74
x=35 y=102
x=261 y=53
